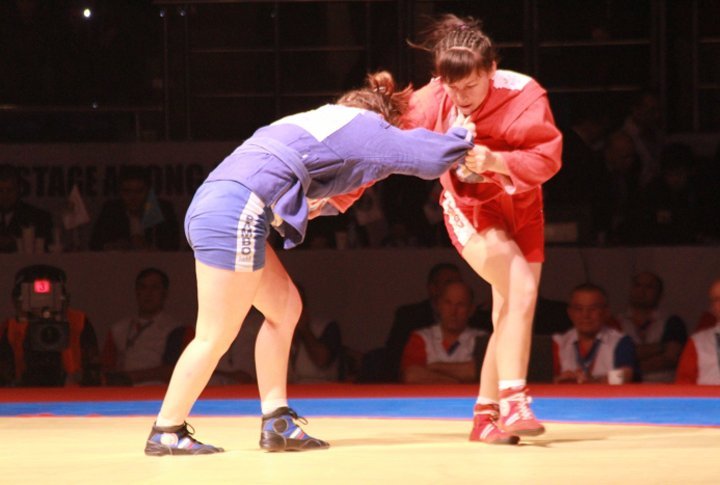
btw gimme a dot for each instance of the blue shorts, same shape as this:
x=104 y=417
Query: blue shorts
x=227 y=226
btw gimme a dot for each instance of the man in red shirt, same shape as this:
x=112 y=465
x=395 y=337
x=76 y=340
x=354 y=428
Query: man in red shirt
x=444 y=352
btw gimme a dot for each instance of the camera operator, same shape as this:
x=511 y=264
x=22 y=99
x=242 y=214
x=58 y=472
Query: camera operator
x=50 y=343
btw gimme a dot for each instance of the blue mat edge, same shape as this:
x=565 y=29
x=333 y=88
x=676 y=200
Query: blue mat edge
x=685 y=411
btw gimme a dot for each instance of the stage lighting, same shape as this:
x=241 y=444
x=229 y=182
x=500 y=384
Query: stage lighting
x=87 y=13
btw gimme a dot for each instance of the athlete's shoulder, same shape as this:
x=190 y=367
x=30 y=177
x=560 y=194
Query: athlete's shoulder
x=424 y=104
x=321 y=122
x=514 y=81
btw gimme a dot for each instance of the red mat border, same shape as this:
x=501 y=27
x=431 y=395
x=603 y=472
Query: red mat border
x=352 y=391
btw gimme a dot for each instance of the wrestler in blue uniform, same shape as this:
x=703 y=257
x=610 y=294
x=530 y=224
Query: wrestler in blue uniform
x=328 y=151
x=280 y=177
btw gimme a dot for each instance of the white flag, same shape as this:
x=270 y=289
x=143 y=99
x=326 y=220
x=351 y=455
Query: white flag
x=75 y=213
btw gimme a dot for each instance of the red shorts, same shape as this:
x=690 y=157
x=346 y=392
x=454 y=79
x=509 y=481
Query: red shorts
x=519 y=215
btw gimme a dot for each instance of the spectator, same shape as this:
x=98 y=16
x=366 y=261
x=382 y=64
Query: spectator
x=659 y=338
x=414 y=316
x=142 y=349
x=618 y=190
x=700 y=360
x=591 y=351
x=669 y=205
x=371 y=222
x=317 y=348
x=49 y=343
x=136 y=220
x=237 y=365
x=572 y=194
x=402 y=199
x=642 y=125
x=16 y=215
x=444 y=353
x=400 y=236
x=436 y=234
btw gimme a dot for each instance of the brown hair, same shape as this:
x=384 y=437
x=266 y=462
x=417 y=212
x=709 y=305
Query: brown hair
x=379 y=95
x=459 y=47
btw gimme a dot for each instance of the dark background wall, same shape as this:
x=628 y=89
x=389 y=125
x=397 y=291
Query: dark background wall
x=216 y=70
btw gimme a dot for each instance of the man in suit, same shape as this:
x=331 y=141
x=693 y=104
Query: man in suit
x=136 y=220
x=15 y=214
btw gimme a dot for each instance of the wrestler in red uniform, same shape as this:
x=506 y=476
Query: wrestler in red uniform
x=493 y=204
x=515 y=121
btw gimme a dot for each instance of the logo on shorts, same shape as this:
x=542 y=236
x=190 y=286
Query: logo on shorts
x=460 y=225
x=449 y=206
x=246 y=235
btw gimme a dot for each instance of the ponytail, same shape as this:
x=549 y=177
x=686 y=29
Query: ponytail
x=379 y=95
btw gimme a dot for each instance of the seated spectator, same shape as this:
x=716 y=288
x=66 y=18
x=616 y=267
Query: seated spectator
x=399 y=236
x=136 y=220
x=444 y=353
x=237 y=365
x=47 y=343
x=591 y=350
x=371 y=223
x=15 y=214
x=659 y=338
x=317 y=348
x=402 y=199
x=615 y=203
x=414 y=316
x=700 y=360
x=437 y=234
x=142 y=348
x=669 y=208
x=573 y=193
x=643 y=126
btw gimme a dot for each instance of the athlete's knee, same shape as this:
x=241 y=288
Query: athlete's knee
x=525 y=293
x=214 y=346
x=288 y=309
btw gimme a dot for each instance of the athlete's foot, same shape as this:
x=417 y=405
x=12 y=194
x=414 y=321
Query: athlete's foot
x=516 y=417
x=281 y=433
x=485 y=428
x=176 y=440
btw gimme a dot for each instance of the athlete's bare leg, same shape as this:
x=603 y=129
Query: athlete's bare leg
x=497 y=259
x=279 y=301
x=224 y=299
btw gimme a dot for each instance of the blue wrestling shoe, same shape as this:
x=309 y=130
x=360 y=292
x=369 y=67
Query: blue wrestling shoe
x=176 y=440
x=280 y=433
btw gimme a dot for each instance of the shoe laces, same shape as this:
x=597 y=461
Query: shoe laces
x=523 y=405
x=492 y=412
x=188 y=430
x=296 y=417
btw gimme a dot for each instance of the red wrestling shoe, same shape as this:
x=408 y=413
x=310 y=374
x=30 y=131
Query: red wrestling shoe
x=516 y=417
x=485 y=428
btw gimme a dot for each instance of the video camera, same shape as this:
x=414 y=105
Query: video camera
x=41 y=300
